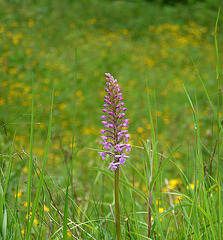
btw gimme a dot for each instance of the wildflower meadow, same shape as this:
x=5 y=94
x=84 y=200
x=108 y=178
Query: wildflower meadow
x=111 y=119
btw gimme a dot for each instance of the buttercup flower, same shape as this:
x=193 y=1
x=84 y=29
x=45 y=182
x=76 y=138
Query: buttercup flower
x=114 y=137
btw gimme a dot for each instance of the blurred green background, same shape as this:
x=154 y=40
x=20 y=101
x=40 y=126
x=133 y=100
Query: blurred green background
x=134 y=41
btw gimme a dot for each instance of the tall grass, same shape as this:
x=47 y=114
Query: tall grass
x=197 y=214
x=160 y=198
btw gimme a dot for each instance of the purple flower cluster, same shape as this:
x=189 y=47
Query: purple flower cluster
x=114 y=137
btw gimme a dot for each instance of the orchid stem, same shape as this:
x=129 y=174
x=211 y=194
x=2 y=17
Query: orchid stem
x=117 y=209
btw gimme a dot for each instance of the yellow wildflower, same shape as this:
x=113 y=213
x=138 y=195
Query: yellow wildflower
x=25 y=169
x=35 y=222
x=179 y=198
x=173 y=183
x=45 y=208
x=2 y=101
x=69 y=235
x=18 y=194
x=161 y=210
x=140 y=129
x=191 y=185
x=177 y=155
x=28 y=51
x=30 y=23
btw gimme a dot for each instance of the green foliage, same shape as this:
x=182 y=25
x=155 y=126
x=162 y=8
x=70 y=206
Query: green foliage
x=171 y=1
x=210 y=3
x=53 y=184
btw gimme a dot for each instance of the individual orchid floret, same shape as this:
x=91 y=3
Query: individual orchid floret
x=114 y=137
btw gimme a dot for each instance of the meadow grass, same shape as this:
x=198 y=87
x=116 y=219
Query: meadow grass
x=54 y=184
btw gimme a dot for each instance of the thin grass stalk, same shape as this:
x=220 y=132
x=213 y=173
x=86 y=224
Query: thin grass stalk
x=219 y=125
x=1 y=207
x=200 y=189
x=29 y=184
x=128 y=228
x=65 y=222
x=154 y=157
x=148 y=172
x=117 y=208
x=73 y=130
x=212 y=157
x=150 y=213
x=13 y=119
x=150 y=116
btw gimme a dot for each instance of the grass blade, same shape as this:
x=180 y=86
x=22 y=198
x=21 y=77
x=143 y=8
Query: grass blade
x=8 y=169
x=150 y=115
x=14 y=220
x=36 y=201
x=3 y=192
x=4 y=225
x=29 y=184
x=65 y=215
x=162 y=166
x=216 y=42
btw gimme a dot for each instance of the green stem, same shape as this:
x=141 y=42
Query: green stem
x=118 y=223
